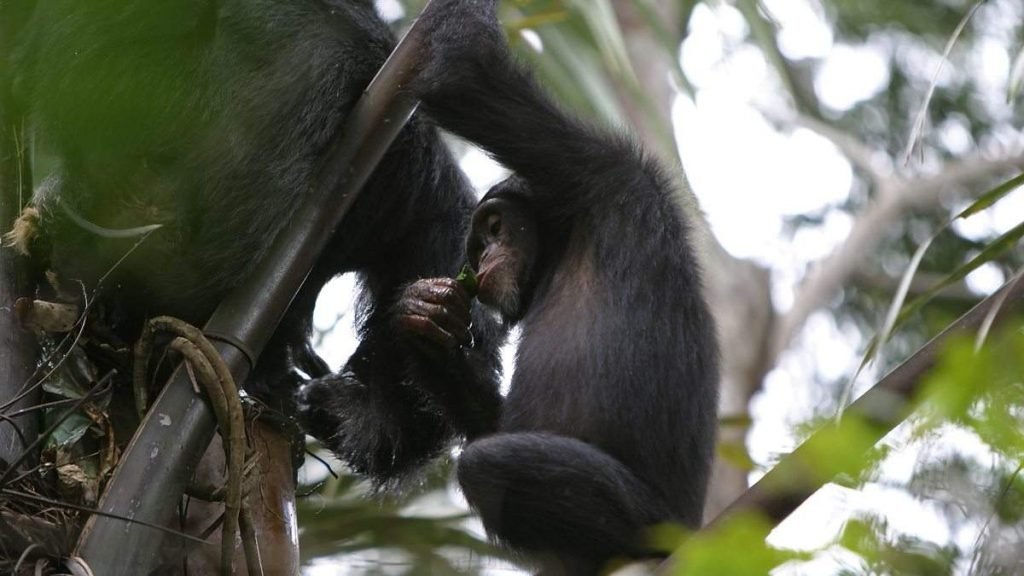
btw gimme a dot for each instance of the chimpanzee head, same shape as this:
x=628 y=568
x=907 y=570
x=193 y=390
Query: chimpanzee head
x=503 y=247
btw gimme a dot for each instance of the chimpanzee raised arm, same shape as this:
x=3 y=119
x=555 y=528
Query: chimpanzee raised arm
x=609 y=424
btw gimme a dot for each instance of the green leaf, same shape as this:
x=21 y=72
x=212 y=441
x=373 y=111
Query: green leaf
x=841 y=448
x=735 y=453
x=860 y=537
x=992 y=250
x=70 y=431
x=879 y=339
x=961 y=375
x=604 y=26
x=922 y=114
x=737 y=547
x=991 y=197
x=536 y=21
x=467 y=279
x=73 y=378
x=1016 y=76
x=571 y=67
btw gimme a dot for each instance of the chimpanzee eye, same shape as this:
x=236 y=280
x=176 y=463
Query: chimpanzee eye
x=494 y=225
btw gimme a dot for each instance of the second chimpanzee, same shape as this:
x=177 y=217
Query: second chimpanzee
x=209 y=118
x=608 y=427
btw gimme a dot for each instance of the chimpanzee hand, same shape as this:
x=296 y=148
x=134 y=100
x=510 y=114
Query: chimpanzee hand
x=434 y=314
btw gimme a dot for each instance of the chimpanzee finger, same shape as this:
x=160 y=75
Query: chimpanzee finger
x=426 y=328
x=451 y=321
x=456 y=298
x=445 y=292
x=441 y=289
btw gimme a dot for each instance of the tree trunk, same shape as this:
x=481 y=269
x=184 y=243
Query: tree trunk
x=17 y=347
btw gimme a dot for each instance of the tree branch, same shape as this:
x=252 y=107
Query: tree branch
x=896 y=197
x=18 y=349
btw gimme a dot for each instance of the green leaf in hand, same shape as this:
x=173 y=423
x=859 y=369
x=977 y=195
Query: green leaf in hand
x=467 y=279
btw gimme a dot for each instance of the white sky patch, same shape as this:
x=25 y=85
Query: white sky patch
x=813 y=243
x=482 y=171
x=334 y=316
x=991 y=62
x=850 y=75
x=704 y=48
x=748 y=176
x=741 y=76
x=818 y=174
x=803 y=33
x=720 y=20
x=986 y=279
x=955 y=136
x=815 y=523
x=715 y=62
x=783 y=395
x=837 y=349
x=721 y=145
x=390 y=10
x=823 y=350
x=532 y=39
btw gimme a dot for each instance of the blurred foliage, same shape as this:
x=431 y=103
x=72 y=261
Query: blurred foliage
x=882 y=551
x=982 y=391
x=979 y=392
x=412 y=528
x=857 y=19
x=736 y=547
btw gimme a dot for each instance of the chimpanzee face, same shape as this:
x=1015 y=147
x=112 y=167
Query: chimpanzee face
x=502 y=248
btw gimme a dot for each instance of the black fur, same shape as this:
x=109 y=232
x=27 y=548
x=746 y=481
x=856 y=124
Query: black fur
x=609 y=425
x=209 y=117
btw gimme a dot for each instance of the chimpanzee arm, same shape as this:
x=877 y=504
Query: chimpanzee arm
x=471 y=85
x=375 y=422
x=393 y=405
x=455 y=343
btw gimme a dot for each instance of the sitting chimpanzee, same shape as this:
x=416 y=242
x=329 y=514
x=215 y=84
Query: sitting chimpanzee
x=609 y=424
x=209 y=117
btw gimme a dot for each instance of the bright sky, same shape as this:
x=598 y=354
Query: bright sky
x=784 y=174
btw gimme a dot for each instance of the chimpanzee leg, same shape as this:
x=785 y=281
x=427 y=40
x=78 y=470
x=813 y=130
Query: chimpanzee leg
x=549 y=492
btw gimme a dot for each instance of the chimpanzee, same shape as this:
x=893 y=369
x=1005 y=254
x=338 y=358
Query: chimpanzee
x=609 y=424
x=209 y=117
